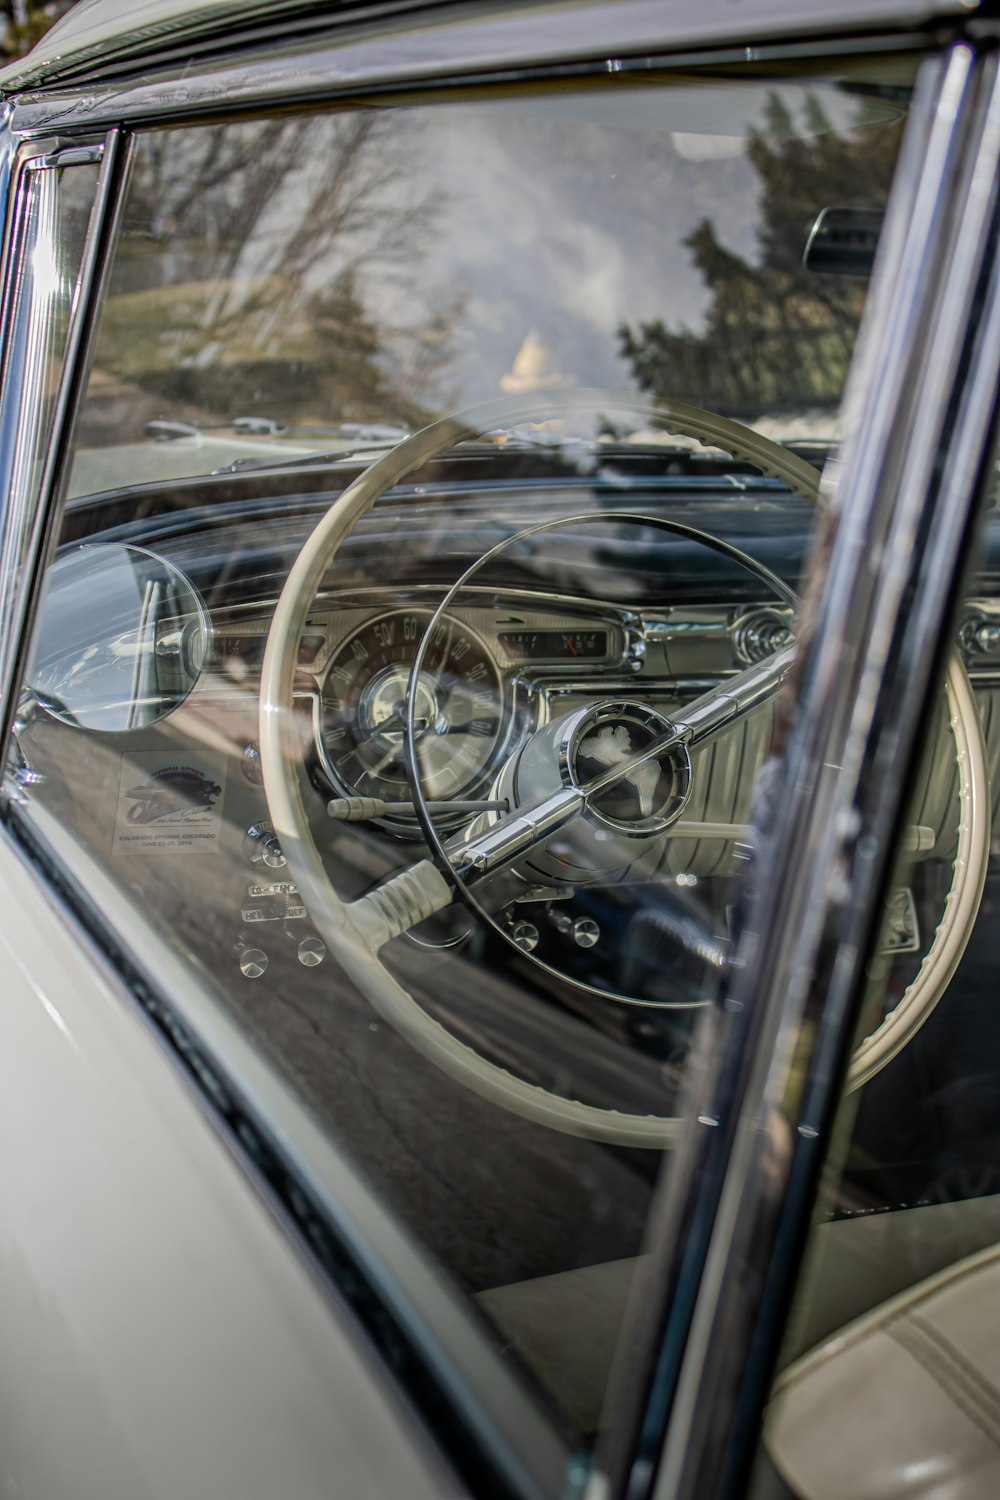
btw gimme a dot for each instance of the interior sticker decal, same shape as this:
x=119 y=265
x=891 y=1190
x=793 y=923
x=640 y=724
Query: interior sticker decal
x=168 y=802
x=901 y=933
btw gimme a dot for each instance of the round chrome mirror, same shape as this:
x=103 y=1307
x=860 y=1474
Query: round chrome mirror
x=121 y=641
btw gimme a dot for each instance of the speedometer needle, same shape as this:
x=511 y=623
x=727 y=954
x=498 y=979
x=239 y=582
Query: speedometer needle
x=390 y=755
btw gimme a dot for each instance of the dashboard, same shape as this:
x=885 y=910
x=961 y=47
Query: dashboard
x=497 y=667
x=493 y=672
x=142 y=726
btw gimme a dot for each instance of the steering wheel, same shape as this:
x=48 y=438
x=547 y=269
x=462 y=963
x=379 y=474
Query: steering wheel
x=356 y=931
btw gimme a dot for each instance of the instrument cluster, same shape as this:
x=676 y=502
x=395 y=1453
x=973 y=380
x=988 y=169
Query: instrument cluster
x=492 y=670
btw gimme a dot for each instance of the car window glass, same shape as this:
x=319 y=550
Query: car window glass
x=428 y=743
x=892 y=1334
x=52 y=215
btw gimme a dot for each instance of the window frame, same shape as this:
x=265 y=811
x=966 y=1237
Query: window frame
x=27 y=509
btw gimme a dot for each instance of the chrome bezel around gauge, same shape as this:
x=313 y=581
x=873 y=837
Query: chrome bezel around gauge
x=392 y=673
x=614 y=719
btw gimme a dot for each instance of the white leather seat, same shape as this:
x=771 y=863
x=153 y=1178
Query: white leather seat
x=904 y=1402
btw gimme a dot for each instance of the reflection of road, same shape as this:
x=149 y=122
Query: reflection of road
x=496 y=1198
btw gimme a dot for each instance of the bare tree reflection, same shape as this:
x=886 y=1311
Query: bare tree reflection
x=270 y=268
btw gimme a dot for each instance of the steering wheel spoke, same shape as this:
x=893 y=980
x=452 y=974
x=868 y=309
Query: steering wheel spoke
x=399 y=904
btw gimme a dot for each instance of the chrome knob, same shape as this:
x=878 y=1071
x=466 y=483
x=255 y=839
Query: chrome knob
x=251 y=767
x=979 y=637
x=270 y=852
x=586 y=932
x=311 y=951
x=524 y=935
x=261 y=846
x=986 y=637
x=253 y=962
x=762 y=633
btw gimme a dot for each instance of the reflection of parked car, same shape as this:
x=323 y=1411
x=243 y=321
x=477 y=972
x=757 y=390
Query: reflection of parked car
x=498 y=993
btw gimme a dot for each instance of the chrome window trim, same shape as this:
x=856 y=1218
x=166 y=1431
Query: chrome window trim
x=24 y=526
x=922 y=413
x=21 y=488
x=18 y=157
x=630 y=25
x=10 y=144
x=505 y=46
x=40 y=185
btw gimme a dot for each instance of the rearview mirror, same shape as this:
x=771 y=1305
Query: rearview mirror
x=843 y=241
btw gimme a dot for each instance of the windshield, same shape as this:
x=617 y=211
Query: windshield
x=326 y=284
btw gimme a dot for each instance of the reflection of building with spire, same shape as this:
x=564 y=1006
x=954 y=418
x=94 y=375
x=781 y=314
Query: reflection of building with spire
x=535 y=368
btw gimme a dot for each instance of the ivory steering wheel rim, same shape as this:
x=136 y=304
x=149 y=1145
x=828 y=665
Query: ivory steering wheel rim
x=355 y=932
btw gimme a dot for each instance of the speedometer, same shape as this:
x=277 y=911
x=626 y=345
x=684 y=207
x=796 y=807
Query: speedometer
x=458 y=711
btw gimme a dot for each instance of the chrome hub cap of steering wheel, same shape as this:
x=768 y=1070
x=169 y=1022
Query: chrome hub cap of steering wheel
x=606 y=737
x=624 y=821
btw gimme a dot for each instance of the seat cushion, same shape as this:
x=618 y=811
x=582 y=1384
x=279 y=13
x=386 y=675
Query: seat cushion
x=902 y=1403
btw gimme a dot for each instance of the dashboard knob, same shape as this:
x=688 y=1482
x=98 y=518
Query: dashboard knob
x=251 y=766
x=524 y=935
x=986 y=637
x=271 y=852
x=311 y=951
x=760 y=634
x=261 y=846
x=253 y=962
x=979 y=636
x=586 y=932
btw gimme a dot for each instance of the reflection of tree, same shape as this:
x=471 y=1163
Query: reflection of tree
x=240 y=282
x=774 y=334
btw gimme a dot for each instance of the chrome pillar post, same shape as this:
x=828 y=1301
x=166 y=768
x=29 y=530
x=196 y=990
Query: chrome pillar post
x=36 y=429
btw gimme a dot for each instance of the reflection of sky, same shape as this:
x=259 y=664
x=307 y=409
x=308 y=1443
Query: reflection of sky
x=493 y=246
x=565 y=229
x=565 y=217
